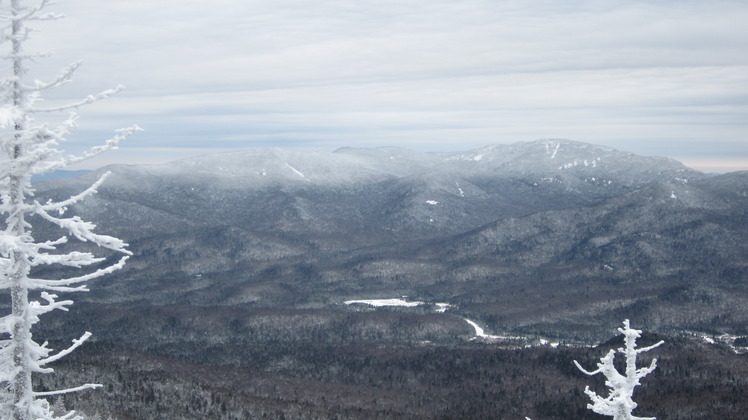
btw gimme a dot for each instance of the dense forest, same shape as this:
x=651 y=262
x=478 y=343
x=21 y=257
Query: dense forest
x=303 y=365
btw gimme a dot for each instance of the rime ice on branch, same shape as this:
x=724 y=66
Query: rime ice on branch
x=620 y=404
x=29 y=148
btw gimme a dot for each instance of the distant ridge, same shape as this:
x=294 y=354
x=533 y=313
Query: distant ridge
x=61 y=174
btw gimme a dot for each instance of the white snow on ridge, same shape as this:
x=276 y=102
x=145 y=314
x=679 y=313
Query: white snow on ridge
x=432 y=202
x=296 y=171
x=577 y=162
x=459 y=189
x=558 y=146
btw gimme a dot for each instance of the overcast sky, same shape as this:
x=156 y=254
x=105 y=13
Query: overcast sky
x=667 y=78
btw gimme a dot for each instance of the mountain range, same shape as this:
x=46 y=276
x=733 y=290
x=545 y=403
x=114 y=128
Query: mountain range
x=550 y=237
x=258 y=279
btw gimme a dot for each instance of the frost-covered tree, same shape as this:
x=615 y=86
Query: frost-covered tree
x=619 y=404
x=30 y=147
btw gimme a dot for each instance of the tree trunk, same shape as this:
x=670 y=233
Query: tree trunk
x=22 y=392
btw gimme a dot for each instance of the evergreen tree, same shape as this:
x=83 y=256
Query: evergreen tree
x=31 y=148
x=619 y=404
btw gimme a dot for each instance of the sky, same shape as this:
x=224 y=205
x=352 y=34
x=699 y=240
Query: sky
x=665 y=78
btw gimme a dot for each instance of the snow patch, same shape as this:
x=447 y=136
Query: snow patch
x=544 y=342
x=462 y=193
x=442 y=307
x=385 y=302
x=576 y=162
x=480 y=333
x=725 y=340
x=432 y=202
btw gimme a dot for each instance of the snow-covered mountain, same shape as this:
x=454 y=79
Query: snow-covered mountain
x=524 y=233
x=243 y=263
x=537 y=161
x=376 y=190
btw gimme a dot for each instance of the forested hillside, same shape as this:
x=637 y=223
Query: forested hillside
x=234 y=301
x=329 y=373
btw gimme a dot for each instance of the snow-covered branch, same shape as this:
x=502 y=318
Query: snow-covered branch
x=37 y=308
x=66 y=285
x=585 y=371
x=76 y=343
x=67 y=391
x=110 y=144
x=83 y=102
x=61 y=205
x=33 y=13
x=84 y=231
x=8 y=115
x=72 y=259
x=64 y=77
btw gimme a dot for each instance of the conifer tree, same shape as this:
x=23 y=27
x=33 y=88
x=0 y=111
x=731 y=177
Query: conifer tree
x=30 y=147
x=619 y=404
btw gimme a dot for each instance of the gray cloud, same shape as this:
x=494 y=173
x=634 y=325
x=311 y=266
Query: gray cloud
x=653 y=77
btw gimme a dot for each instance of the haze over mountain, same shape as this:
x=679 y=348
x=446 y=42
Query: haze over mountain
x=551 y=236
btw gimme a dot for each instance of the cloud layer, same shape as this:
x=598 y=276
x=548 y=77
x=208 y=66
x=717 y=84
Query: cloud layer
x=653 y=77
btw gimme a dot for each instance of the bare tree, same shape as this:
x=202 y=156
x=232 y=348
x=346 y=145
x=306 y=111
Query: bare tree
x=30 y=148
x=619 y=404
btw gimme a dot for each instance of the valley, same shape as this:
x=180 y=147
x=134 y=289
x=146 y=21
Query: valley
x=272 y=283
